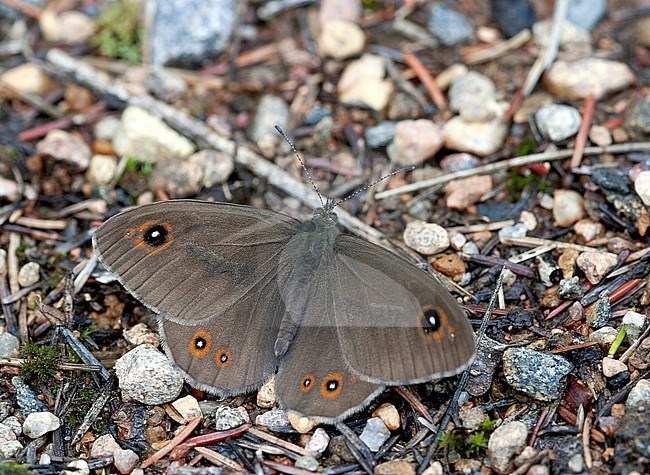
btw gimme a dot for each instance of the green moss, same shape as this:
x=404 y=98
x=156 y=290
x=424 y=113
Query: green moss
x=469 y=444
x=119 y=32
x=10 y=468
x=40 y=364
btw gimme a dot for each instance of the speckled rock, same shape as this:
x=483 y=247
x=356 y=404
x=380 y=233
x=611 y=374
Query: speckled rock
x=266 y=396
x=536 y=374
x=146 y=375
x=272 y=418
x=147 y=138
x=414 y=141
x=596 y=264
x=227 y=418
x=9 y=449
x=639 y=397
x=9 y=346
x=426 y=238
x=340 y=39
x=507 y=441
x=579 y=79
x=140 y=334
x=634 y=324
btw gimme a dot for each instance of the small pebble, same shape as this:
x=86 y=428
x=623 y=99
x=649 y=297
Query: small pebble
x=25 y=79
x=634 y=324
x=586 y=13
x=9 y=346
x=642 y=187
x=567 y=262
x=307 y=462
x=39 y=423
x=639 y=397
x=140 y=334
x=611 y=180
x=389 y=416
x=375 y=433
x=558 y=122
x=180 y=179
x=599 y=313
x=65 y=147
x=164 y=84
x=381 y=134
x=450 y=265
x=70 y=27
x=227 y=418
x=125 y=461
x=546 y=271
x=638 y=117
x=362 y=83
x=479 y=138
x=474 y=97
x=318 y=442
x=414 y=141
x=567 y=207
x=470 y=248
x=271 y=110
x=587 y=230
x=619 y=135
x=534 y=373
x=570 y=289
x=148 y=138
x=435 y=468
x=9 y=449
x=147 y=376
x=576 y=312
x=465 y=192
x=449 y=26
x=596 y=264
x=426 y=238
x=518 y=230
x=101 y=170
x=455 y=162
x=576 y=463
x=581 y=78
x=395 y=467
x=79 y=467
x=14 y=424
x=513 y=16
x=6 y=433
x=266 y=397
x=530 y=106
x=188 y=408
x=301 y=424
x=600 y=136
x=471 y=417
x=273 y=418
x=106 y=128
x=104 y=446
x=457 y=241
x=340 y=39
x=605 y=336
x=572 y=38
x=612 y=367
x=529 y=220
x=506 y=442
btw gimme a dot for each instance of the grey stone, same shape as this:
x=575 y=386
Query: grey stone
x=586 y=13
x=536 y=374
x=381 y=134
x=639 y=397
x=513 y=16
x=318 y=442
x=307 y=462
x=375 y=433
x=449 y=26
x=634 y=324
x=273 y=418
x=40 y=423
x=271 y=110
x=190 y=31
x=473 y=96
x=9 y=345
x=507 y=441
x=6 y=433
x=146 y=375
x=638 y=117
x=227 y=418
x=27 y=400
x=558 y=122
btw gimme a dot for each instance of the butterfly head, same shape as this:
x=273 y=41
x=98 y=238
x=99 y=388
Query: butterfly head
x=325 y=216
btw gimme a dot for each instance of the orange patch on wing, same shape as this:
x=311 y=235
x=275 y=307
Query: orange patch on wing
x=331 y=386
x=200 y=344
x=139 y=234
x=306 y=383
x=223 y=358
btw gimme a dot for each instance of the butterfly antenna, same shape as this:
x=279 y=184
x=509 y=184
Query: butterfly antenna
x=370 y=185
x=295 y=151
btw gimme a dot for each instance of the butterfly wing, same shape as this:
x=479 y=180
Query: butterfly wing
x=209 y=270
x=313 y=379
x=396 y=323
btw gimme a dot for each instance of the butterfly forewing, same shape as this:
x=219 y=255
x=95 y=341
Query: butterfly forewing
x=192 y=260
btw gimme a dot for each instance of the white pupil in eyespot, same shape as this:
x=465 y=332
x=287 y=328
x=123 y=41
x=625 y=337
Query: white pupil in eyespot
x=331 y=385
x=432 y=320
x=155 y=234
x=200 y=343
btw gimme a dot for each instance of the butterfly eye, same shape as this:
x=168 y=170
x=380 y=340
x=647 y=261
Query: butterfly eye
x=200 y=344
x=156 y=235
x=306 y=383
x=331 y=386
x=223 y=358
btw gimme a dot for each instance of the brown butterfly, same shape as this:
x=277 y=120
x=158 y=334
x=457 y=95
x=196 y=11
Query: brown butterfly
x=243 y=292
